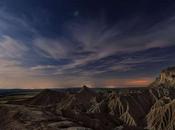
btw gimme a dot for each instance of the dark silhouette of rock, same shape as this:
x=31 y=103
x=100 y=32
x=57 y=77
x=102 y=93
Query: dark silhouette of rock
x=78 y=102
x=45 y=98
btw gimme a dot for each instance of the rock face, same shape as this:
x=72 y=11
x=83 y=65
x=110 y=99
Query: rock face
x=161 y=115
x=165 y=79
x=164 y=85
x=139 y=105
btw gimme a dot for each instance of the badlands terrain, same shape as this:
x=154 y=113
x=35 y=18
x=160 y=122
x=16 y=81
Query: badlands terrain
x=150 y=108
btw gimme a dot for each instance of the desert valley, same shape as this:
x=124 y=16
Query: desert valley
x=149 y=108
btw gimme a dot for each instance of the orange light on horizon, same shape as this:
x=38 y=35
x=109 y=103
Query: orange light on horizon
x=141 y=82
x=138 y=82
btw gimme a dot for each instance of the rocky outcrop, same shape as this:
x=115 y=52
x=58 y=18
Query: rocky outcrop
x=165 y=79
x=161 y=115
x=78 y=102
x=139 y=105
x=164 y=85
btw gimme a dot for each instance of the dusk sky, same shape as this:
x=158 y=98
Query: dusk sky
x=100 y=43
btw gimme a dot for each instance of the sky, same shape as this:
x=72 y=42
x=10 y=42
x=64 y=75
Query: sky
x=100 y=43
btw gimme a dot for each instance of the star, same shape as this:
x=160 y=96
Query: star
x=76 y=13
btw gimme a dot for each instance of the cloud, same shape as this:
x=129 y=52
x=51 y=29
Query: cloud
x=97 y=36
x=102 y=41
x=92 y=48
x=43 y=67
x=13 y=26
x=11 y=48
x=115 y=63
x=51 y=48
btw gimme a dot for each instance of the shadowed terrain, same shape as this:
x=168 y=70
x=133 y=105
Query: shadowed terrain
x=150 y=108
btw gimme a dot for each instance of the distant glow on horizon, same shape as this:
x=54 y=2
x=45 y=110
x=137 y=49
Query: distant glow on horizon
x=138 y=82
x=39 y=83
x=142 y=82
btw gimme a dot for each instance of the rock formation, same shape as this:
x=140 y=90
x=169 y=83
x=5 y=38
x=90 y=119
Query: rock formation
x=151 y=108
x=165 y=79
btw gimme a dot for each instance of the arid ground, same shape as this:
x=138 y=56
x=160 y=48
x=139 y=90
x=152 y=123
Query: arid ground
x=149 y=108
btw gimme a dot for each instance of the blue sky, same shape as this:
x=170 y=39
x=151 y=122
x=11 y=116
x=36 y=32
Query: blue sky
x=101 y=43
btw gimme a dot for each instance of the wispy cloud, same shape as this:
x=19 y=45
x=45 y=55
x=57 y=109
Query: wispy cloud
x=11 y=48
x=91 y=47
x=10 y=24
